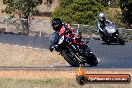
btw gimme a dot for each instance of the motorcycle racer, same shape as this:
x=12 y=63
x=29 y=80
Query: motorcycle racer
x=101 y=22
x=61 y=29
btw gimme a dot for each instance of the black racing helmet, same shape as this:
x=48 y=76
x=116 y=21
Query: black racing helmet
x=56 y=24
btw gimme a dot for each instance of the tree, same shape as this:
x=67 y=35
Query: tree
x=83 y=11
x=24 y=8
x=126 y=8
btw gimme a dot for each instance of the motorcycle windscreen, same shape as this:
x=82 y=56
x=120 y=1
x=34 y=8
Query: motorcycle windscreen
x=110 y=29
x=54 y=37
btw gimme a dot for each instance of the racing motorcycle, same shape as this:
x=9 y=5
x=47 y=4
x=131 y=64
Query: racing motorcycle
x=74 y=53
x=111 y=34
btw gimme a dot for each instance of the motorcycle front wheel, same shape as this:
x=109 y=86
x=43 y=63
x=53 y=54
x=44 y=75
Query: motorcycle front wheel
x=103 y=37
x=69 y=58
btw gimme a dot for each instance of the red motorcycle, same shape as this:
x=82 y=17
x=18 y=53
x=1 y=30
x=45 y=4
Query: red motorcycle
x=74 y=51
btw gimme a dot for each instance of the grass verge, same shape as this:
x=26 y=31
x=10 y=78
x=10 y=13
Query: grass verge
x=54 y=83
x=54 y=79
x=11 y=55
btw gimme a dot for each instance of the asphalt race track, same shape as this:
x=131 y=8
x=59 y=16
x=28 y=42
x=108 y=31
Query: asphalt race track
x=24 y=40
x=110 y=56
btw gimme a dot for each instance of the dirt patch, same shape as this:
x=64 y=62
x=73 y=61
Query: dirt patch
x=55 y=74
x=12 y=55
x=36 y=74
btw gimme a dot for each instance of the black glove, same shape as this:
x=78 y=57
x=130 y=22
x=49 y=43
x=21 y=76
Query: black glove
x=51 y=48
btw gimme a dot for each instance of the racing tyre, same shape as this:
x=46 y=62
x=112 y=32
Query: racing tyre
x=105 y=39
x=69 y=58
x=120 y=40
x=92 y=60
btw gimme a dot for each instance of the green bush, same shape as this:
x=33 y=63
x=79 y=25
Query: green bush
x=126 y=8
x=115 y=15
x=79 y=11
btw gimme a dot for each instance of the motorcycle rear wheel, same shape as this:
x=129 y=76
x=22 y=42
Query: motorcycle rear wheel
x=120 y=40
x=92 y=60
x=90 y=57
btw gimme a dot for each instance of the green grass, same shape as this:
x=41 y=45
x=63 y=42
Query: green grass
x=53 y=83
x=23 y=83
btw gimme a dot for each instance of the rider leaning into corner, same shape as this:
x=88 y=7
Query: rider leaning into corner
x=101 y=22
x=61 y=29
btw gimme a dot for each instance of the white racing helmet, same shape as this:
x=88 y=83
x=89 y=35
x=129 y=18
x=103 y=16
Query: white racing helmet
x=101 y=17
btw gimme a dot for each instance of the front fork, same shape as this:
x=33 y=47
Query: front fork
x=76 y=53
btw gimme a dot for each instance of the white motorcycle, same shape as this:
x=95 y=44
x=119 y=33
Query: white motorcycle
x=111 y=34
